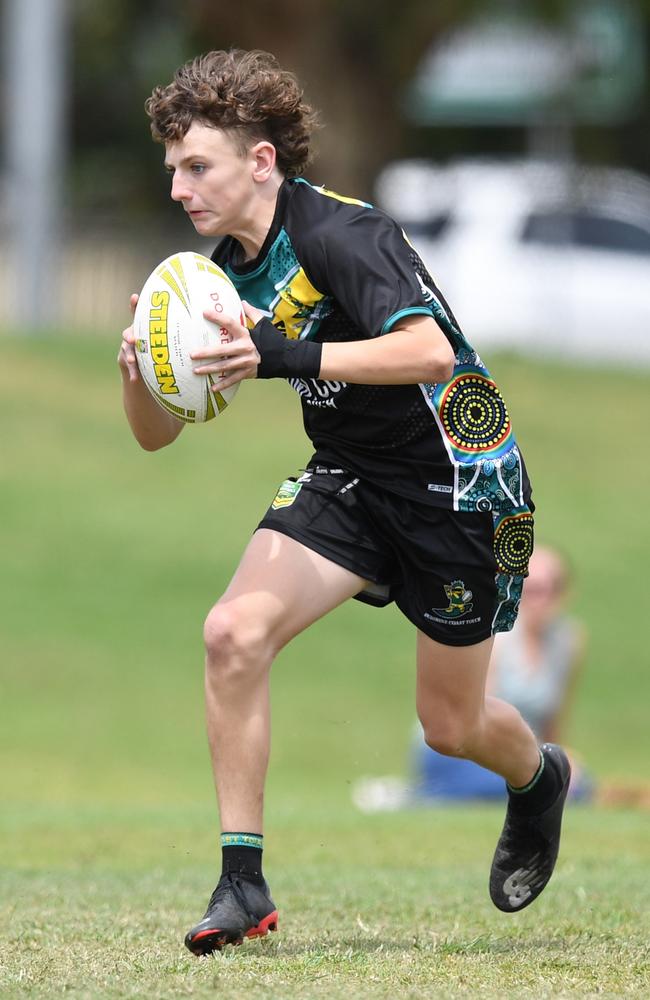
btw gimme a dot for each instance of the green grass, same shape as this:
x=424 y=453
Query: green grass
x=388 y=906
x=111 y=557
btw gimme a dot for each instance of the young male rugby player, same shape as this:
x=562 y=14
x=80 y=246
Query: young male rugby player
x=416 y=491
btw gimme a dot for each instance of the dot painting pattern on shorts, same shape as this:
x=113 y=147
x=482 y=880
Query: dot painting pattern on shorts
x=513 y=542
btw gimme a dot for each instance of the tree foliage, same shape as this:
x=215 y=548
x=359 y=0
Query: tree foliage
x=354 y=58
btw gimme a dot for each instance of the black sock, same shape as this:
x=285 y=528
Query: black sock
x=241 y=854
x=540 y=792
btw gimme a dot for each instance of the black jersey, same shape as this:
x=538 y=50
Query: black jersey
x=335 y=269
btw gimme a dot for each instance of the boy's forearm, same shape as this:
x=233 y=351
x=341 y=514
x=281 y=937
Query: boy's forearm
x=151 y=426
x=413 y=354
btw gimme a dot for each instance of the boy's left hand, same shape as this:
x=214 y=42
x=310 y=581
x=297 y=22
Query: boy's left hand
x=234 y=360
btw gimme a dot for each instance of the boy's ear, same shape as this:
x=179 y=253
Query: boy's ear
x=265 y=157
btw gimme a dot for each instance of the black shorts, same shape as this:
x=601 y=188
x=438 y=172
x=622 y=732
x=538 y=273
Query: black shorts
x=457 y=576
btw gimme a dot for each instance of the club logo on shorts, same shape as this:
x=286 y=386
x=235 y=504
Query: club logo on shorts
x=286 y=494
x=460 y=601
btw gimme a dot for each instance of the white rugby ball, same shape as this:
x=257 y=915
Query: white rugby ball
x=169 y=325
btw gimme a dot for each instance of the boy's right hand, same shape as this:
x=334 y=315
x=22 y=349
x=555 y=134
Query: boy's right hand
x=126 y=355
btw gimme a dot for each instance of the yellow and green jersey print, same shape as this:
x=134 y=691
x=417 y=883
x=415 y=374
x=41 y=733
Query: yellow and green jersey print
x=282 y=290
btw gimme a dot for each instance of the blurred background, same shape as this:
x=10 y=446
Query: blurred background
x=512 y=140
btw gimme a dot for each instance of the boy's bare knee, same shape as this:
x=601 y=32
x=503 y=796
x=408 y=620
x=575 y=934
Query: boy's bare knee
x=236 y=643
x=449 y=735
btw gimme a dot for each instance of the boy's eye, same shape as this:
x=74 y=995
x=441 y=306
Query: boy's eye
x=197 y=168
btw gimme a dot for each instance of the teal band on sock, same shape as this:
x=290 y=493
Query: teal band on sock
x=242 y=840
x=533 y=781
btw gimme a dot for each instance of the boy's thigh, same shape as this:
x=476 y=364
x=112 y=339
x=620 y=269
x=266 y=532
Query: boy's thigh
x=323 y=511
x=281 y=587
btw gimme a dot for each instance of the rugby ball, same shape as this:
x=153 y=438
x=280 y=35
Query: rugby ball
x=169 y=324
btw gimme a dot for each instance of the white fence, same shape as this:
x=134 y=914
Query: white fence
x=94 y=279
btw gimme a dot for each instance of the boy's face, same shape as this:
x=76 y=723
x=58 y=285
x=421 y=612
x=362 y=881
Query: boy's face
x=212 y=180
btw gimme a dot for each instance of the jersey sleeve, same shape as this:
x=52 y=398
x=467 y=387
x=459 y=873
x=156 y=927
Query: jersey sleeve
x=360 y=257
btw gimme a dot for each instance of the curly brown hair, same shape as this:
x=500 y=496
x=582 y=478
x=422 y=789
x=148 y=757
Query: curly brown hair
x=244 y=93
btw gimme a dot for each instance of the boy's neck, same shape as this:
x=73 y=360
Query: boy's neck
x=255 y=227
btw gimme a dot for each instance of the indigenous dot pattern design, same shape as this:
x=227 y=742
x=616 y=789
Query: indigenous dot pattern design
x=474 y=416
x=474 y=423
x=513 y=541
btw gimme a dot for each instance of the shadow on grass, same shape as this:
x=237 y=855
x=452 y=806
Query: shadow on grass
x=347 y=947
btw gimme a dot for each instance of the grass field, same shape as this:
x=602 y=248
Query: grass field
x=111 y=557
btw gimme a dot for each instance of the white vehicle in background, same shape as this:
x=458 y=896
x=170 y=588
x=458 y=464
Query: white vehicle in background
x=532 y=255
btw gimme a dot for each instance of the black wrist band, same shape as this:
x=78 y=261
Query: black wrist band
x=283 y=358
